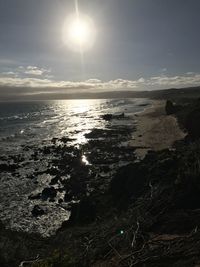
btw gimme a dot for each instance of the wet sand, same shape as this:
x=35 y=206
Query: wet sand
x=155 y=130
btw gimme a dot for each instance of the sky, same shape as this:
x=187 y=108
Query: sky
x=138 y=45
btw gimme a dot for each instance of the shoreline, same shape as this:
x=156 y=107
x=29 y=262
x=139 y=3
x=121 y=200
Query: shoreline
x=147 y=198
x=155 y=130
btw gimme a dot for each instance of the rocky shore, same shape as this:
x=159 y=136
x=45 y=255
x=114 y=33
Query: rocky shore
x=134 y=213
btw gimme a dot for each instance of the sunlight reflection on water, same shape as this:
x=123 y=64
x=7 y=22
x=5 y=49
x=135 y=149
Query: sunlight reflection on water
x=38 y=121
x=85 y=161
x=77 y=117
x=27 y=128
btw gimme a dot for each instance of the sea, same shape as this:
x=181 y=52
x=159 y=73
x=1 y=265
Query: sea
x=28 y=126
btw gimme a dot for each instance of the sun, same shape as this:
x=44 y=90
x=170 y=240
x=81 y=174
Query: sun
x=79 y=33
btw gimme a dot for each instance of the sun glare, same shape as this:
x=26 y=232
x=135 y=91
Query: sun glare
x=79 y=33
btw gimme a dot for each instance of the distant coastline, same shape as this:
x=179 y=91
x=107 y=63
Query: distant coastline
x=16 y=94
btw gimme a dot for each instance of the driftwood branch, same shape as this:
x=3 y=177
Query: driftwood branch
x=22 y=264
x=135 y=234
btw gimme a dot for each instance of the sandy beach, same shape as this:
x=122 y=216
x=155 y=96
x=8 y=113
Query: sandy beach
x=155 y=130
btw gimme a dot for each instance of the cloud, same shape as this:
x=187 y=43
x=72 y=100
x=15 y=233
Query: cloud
x=42 y=85
x=33 y=70
x=24 y=72
x=163 y=69
x=93 y=81
x=96 y=84
x=9 y=73
x=189 y=79
x=190 y=73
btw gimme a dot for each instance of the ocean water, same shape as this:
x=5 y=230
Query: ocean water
x=26 y=127
x=33 y=122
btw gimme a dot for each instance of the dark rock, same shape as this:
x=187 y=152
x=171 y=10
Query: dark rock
x=150 y=156
x=8 y=167
x=49 y=192
x=18 y=158
x=192 y=123
x=34 y=155
x=27 y=148
x=102 y=133
x=31 y=176
x=107 y=117
x=171 y=108
x=77 y=185
x=60 y=201
x=143 y=105
x=128 y=182
x=120 y=116
x=54 y=140
x=83 y=212
x=66 y=139
x=53 y=171
x=54 y=180
x=68 y=197
x=95 y=133
x=33 y=197
x=46 y=150
x=37 y=211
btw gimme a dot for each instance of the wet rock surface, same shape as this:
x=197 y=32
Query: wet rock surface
x=61 y=174
x=37 y=211
x=48 y=193
x=109 y=117
x=8 y=167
